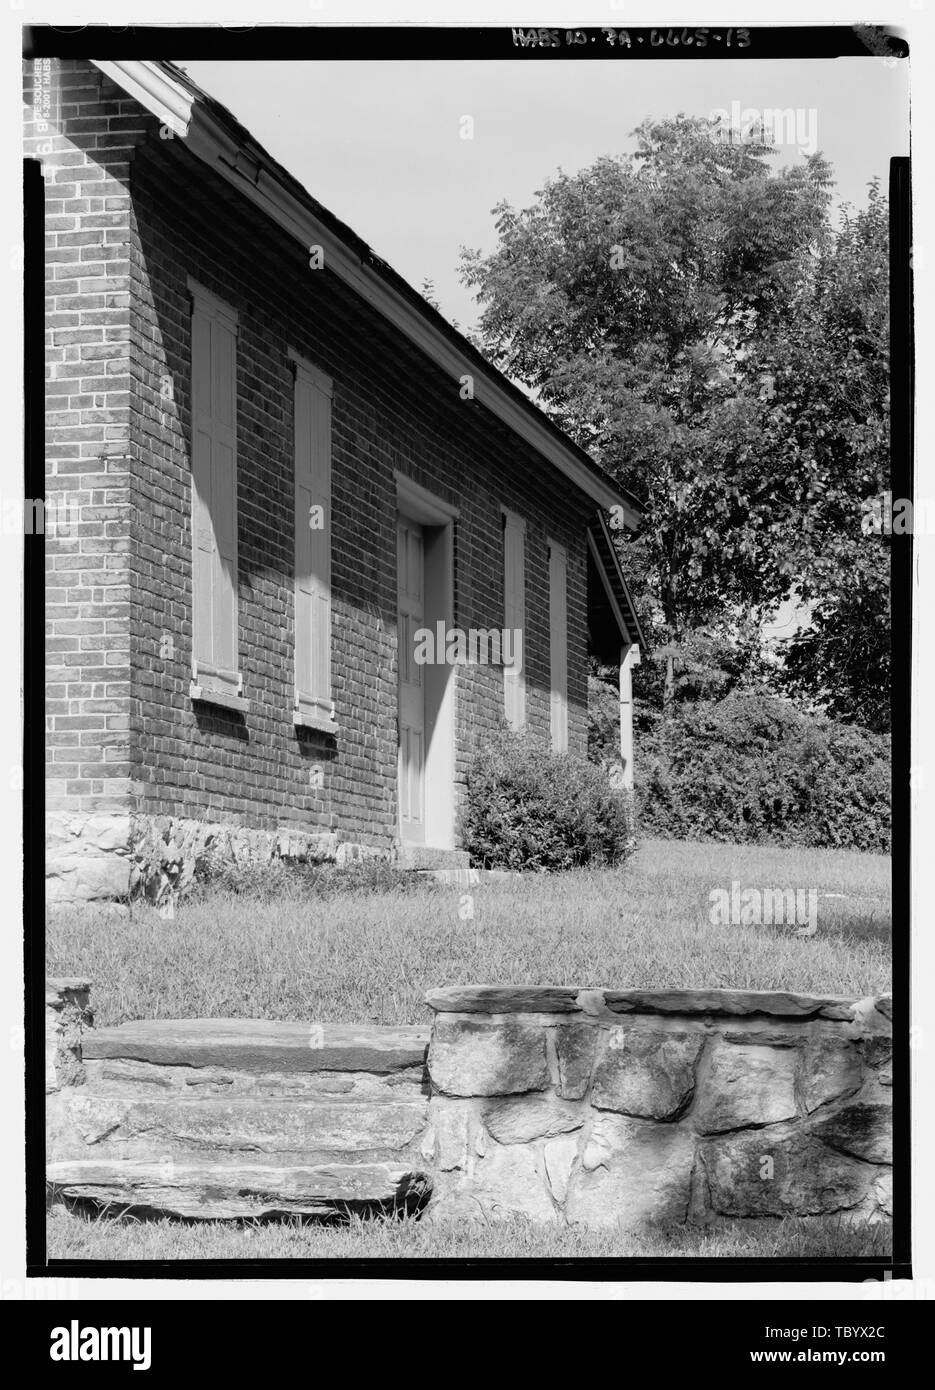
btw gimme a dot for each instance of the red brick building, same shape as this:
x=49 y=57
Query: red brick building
x=270 y=465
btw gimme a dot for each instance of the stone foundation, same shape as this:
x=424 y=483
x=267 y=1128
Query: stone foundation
x=87 y=857
x=597 y=1108
x=94 y=858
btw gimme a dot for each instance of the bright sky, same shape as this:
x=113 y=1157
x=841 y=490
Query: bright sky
x=379 y=144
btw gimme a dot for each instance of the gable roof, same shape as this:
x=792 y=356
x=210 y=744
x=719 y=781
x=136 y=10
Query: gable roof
x=214 y=135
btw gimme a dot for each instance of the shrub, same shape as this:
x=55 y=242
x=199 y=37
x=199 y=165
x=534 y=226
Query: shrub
x=527 y=808
x=753 y=769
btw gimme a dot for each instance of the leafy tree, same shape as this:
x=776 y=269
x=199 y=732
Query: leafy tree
x=829 y=415
x=661 y=307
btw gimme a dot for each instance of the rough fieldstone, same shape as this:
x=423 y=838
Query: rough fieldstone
x=559 y=1155
x=454 y=1135
x=884 y=1006
x=524 y=1118
x=477 y=1057
x=86 y=856
x=504 y=999
x=830 y=1068
x=575 y=1045
x=646 y=1073
x=877 y=1050
x=746 y=1085
x=862 y=1129
x=780 y=1173
x=67 y=1019
x=883 y=1192
x=505 y=1182
x=632 y=1173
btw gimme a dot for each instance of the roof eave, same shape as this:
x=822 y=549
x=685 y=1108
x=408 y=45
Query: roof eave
x=209 y=140
x=622 y=601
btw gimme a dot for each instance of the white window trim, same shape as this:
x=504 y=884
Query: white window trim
x=558 y=698
x=213 y=305
x=306 y=714
x=318 y=378
x=513 y=521
x=423 y=506
x=208 y=685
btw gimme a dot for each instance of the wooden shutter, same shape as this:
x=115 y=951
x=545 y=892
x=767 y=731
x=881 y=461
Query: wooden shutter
x=215 y=657
x=313 y=699
x=558 y=647
x=514 y=614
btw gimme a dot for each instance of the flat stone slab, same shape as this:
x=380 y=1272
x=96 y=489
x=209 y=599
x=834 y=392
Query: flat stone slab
x=224 y=1191
x=217 y=1124
x=504 y=999
x=568 y=999
x=730 y=1002
x=126 y=1076
x=260 y=1045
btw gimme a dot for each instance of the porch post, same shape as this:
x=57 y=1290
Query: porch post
x=629 y=657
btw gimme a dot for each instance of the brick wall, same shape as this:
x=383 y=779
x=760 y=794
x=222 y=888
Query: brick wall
x=124 y=392
x=88 y=484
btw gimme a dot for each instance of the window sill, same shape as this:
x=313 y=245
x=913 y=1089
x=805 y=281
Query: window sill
x=319 y=722
x=201 y=695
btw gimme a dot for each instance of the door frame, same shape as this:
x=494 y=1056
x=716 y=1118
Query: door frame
x=437 y=518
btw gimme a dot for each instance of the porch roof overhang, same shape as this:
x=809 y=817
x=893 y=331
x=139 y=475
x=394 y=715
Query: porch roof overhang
x=214 y=136
x=612 y=616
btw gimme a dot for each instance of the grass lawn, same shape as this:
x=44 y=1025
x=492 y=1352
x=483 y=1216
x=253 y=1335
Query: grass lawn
x=83 y=1236
x=351 y=954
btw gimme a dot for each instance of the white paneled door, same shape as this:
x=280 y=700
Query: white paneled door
x=410 y=617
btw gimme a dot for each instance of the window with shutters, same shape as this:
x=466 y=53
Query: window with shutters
x=514 y=615
x=216 y=677
x=558 y=647
x=313 y=701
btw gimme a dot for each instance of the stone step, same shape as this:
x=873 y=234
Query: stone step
x=258 y=1045
x=424 y=857
x=191 y=1186
x=214 y=1125
x=128 y=1076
